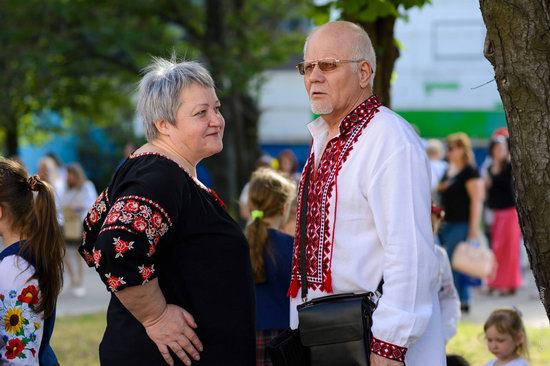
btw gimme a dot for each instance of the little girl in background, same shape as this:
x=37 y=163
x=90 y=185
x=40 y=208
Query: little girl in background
x=31 y=267
x=269 y=199
x=506 y=338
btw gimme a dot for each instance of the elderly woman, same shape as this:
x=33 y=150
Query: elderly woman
x=176 y=263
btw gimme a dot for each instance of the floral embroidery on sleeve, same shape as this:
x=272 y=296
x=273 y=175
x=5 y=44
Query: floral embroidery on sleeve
x=146 y=272
x=122 y=248
x=138 y=215
x=20 y=326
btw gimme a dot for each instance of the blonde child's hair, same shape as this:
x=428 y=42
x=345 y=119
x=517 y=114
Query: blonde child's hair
x=270 y=192
x=508 y=321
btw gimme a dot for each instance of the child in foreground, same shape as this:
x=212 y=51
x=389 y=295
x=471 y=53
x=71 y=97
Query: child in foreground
x=31 y=267
x=506 y=338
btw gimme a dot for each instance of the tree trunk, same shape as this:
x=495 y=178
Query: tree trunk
x=9 y=124
x=518 y=47
x=381 y=33
x=231 y=168
x=12 y=143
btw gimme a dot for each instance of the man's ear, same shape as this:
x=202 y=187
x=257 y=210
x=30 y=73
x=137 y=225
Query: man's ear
x=163 y=126
x=1 y=212
x=365 y=74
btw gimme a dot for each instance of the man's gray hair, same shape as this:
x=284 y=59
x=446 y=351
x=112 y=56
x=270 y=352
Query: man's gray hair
x=363 y=49
x=160 y=88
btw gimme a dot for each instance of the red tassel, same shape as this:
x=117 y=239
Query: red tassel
x=328 y=282
x=294 y=287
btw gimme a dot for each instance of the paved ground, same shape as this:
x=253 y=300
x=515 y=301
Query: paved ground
x=526 y=300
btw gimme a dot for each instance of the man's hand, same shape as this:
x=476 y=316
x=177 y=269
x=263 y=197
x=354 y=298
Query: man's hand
x=173 y=330
x=376 y=360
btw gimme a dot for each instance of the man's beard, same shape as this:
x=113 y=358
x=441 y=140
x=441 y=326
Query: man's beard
x=321 y=108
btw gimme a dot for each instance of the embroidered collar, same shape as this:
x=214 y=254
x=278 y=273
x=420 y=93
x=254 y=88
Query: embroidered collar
x=196 y=180
x=358 y=114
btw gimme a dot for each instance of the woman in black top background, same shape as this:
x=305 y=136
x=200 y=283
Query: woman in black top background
x=176 y=263
x=505 y=229
x=462 y=194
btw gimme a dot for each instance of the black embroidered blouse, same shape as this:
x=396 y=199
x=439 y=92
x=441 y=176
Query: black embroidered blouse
x=155 y=221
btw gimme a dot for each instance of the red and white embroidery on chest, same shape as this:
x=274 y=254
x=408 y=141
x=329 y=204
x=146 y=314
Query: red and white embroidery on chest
x=322 y=186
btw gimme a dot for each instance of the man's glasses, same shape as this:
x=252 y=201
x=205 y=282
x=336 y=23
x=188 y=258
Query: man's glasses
x=328 y=64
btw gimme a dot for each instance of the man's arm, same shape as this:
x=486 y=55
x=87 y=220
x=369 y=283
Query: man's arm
x=399 y=197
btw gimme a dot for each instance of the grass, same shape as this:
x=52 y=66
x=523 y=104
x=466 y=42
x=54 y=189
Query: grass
x=76 y=342
x=76 y=339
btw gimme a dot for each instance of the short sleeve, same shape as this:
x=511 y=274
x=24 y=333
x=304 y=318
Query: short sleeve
x=471 y=172
x=134 y=220
x=21 y=328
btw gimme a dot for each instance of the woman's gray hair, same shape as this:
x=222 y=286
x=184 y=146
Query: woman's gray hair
x=160 y=88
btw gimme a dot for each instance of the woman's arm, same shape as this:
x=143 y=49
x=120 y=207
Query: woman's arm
x=474 y=187
x=169 y=326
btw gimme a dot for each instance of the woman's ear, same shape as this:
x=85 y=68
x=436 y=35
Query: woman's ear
x=163 y=126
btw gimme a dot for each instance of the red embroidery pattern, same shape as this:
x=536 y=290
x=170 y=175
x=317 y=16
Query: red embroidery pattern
x=200 y=185
x=88 y=257
x=114 y=282
x=96 y=255
x=137 y=215
x=122 y=246
x=146 y=272
x=217 y=198
x=388 y=350
x=97 y=210
x=320 y=191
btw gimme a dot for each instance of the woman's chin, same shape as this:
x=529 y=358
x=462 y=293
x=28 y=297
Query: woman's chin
x=215 y=149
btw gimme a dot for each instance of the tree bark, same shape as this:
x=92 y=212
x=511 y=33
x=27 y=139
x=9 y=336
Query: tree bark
x=518 y=46
x=232 y=167
x=12 y=143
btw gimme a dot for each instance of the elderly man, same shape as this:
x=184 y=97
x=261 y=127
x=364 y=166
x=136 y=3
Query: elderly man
x=368 y=205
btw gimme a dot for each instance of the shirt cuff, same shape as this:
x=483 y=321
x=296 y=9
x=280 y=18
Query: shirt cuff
x=388 y=350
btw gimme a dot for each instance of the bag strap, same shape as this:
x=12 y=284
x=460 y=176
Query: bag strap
x=303 y=234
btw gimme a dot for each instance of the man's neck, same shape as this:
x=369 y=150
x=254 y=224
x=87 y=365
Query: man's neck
x=334 y=119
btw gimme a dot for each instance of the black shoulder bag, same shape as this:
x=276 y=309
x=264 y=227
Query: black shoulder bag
x=333 y=330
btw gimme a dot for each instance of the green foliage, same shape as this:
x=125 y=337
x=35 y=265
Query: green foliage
x=82 y=58
x=366 y=10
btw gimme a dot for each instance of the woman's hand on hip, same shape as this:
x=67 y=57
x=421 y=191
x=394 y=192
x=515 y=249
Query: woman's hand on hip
x=174 y=330
x=376 y=360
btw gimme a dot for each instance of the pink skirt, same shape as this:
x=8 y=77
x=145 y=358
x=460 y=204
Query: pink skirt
x=505 y=239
